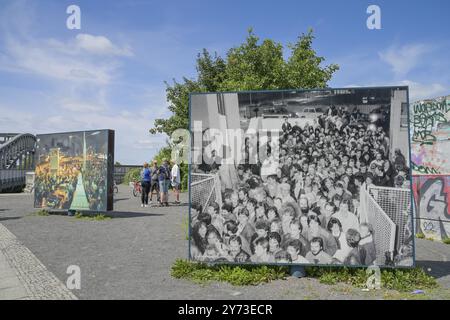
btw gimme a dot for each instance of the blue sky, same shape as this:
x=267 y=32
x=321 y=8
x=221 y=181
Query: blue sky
x=111 y=73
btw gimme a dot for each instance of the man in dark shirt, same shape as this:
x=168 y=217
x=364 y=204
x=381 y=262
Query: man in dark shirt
x=155 y=181
x=164 y=181
x=286 y=127
x=236 y=251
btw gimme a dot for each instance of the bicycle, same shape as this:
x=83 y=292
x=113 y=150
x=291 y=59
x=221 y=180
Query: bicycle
x=137 y=189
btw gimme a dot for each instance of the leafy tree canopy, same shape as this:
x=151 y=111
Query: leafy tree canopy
x=253 y=65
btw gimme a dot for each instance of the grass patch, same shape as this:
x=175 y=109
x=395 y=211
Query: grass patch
x=41 y=213
x=94 y=217
x=186 y=227
x=235 y=275
x=422 y=236
x=446 y=240
x=402 y=280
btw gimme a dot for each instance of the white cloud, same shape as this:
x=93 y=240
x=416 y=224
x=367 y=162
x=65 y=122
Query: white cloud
x=83 y=86
x=83 y=58
x=403 y=59
x=418 y=91
x=133 y=142
x=80 y=98
x=81 y=106
x=50 y=59
x=100 y=45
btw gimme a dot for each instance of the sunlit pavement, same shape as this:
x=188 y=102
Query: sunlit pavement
x=130 y=255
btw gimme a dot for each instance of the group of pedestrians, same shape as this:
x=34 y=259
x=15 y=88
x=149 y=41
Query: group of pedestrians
x=158 y=179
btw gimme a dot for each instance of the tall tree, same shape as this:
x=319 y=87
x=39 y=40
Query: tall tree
x=249 y=66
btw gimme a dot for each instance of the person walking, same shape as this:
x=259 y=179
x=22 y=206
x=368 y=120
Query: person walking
x=175 y=179
x=154 y=186
x=164 y=181
x=145 y=183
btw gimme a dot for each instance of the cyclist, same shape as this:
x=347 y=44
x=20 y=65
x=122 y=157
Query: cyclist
x=145 y=183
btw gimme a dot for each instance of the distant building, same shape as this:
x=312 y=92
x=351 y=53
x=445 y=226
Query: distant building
x=121 y=170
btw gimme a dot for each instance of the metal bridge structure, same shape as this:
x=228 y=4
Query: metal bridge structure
x=16 y=158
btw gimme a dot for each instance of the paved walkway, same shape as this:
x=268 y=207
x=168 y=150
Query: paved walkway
x=23 y=276
x=10 y=286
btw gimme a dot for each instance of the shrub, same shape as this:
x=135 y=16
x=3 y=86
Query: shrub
x=132 y=175
x=403 y=280
x=42 y=213
x=95 y=217
x=235 y=275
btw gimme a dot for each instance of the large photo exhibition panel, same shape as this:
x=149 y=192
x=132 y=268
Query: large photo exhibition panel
x=74 y=171
x=317 y=177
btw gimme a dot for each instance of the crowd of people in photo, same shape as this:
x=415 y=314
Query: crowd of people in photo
x=94 y=179
x=56 y=188
x=305 y=209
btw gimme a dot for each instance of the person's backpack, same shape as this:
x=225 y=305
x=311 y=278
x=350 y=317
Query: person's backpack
x=165 y=172
x=154 y=173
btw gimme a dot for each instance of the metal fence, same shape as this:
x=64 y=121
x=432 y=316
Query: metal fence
x=205 y=189
x=11 y=178
x=384 y=228
x=396 y=203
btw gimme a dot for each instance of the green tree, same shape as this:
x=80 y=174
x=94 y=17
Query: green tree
x=164 y=153
x=132 y=175
x=249 y=66
x=304 y=66
x=253 y=65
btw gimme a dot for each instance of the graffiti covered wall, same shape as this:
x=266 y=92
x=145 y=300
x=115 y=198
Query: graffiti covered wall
x=430 y=158
x=430 y=136
x=432 y=198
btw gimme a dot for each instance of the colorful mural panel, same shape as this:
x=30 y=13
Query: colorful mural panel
x=74 y=170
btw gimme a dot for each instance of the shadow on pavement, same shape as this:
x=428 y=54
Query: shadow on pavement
x=127 y=214
x=121 y=199
x=1 y=210
x=171 y=204
x=438 y=269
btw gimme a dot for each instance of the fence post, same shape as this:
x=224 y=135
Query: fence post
x=298 y=271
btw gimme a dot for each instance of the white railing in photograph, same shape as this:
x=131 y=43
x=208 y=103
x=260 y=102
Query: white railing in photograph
x=205 y=189
x=396 y=203
x=383 y=226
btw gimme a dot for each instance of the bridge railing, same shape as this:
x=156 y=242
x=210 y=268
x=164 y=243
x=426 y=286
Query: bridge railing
x=11 y=174
x=11 y=178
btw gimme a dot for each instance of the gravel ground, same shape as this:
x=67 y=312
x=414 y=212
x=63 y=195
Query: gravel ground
x=130 y=255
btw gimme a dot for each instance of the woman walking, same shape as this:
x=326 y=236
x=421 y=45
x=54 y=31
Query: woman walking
x=146 y=180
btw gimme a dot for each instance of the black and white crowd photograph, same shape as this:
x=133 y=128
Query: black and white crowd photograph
x=316 y=177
